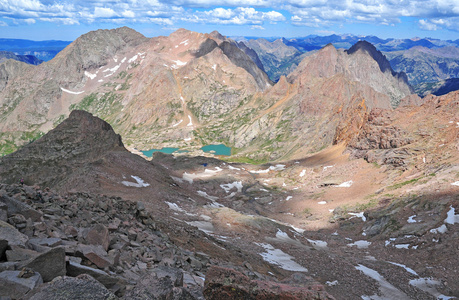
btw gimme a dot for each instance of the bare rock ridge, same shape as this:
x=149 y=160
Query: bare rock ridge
x=245 y=58
x=252 y=54
x=81 y=139
x=240 y=59
x=367 y=47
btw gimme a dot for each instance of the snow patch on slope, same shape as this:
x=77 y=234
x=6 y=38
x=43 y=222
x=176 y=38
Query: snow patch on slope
x=281 y=259
x=139 y=182
x=70 y=92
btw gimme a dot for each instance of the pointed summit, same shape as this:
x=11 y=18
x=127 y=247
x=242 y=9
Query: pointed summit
x=79 y=140
x=217 y=36
x=371 y=50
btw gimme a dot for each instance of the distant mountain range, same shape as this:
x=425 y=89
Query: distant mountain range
x=425 y=65
x=29 y=59
x=425 y=61
x=43 y=50
x=315 y=42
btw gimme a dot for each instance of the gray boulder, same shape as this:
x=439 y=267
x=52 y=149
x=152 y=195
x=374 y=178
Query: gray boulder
x=50 y=264
x=96 y=254
x=20 y=254
x=98 y=235
x=17 y=207
x=75 y=269
x=14 y=284
x=12 y=235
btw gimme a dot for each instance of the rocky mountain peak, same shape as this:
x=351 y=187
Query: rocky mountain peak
x=383 y=63
x=217 y=36
x=361 y=63
x=87 y=130
x=78 y=140
x=92 y=50
x=123 y=34
x=371 y=50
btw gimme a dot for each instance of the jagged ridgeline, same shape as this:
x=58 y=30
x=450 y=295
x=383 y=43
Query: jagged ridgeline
x=189 y=89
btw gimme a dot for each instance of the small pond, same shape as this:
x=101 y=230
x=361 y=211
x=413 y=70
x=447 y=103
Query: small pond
x=167 y=150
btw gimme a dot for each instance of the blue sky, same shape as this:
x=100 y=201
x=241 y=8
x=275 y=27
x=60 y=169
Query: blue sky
x=68 y=19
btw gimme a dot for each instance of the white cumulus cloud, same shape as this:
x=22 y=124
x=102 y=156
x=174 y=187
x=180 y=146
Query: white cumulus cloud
x=236 y=16
x=426 y=25
x=103 y=12
x=128 y=14
x=430 y=15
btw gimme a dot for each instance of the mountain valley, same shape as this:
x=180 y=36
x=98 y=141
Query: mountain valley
x=342 y=183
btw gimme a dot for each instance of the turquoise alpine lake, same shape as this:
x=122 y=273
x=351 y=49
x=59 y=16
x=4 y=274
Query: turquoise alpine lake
x=219 y=149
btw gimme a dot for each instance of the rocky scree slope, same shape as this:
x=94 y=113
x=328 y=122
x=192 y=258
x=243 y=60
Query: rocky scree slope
x=100 y=247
